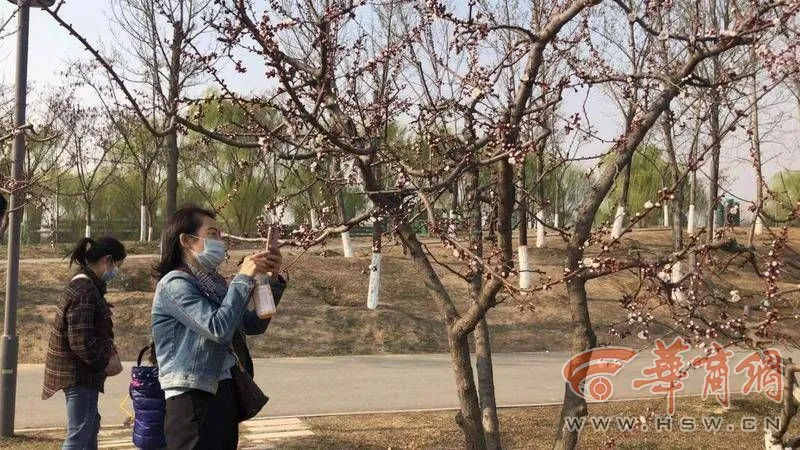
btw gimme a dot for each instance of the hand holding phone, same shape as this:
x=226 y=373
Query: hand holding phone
x=274 y=257
x=263 y=298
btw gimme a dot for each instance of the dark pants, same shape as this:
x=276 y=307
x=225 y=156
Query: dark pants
x=83 y=421
x=199 y=420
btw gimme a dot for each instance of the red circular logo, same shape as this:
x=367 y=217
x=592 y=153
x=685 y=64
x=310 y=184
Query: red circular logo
x=600 y=388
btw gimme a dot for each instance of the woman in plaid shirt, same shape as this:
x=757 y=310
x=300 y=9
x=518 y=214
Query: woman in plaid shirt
x=81 y=352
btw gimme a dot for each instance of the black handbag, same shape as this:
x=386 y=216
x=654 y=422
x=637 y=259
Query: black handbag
x=250 y=399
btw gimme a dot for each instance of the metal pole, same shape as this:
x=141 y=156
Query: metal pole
x=9 y=344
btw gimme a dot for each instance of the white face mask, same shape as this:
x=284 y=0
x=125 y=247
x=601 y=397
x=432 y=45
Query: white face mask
x=213 y=253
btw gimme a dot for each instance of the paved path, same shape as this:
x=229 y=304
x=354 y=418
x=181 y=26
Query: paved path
x=256 y=434
x=300 y=387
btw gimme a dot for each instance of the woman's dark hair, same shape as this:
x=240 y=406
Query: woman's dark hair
x=188 y=219
x=88 y=251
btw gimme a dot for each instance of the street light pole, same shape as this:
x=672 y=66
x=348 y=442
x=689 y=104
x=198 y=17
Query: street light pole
x=9 y=343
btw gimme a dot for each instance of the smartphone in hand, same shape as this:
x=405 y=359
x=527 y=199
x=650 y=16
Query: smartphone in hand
x=273 y=233
x=264 y=300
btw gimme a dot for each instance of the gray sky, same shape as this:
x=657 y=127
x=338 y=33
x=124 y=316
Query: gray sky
x=51 y=47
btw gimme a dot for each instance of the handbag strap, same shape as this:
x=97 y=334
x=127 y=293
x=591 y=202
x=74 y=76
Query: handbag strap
x=236 y=357
x=141 y=354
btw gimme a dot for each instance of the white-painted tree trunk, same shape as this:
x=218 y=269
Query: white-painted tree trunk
x=149 y=234
x=619 y=220
x=675 y=277
x=556 y=221
x=374 y=281
x=347 y=246
x=314 y=219
x=690 y=220
x=451 y=228
x=524 y=273
x=666 y=214
x=142 y=223
x=759 y=228
x=88 y=232
x=540 y=229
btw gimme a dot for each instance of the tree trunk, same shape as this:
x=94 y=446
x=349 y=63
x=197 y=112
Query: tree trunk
x=756 y=228
x=375 y=272
x=493 y=223
x=347 y=246
x=583 y=339
x=143 y=210
x=557 y=208
x=468 y=417
x=716 y=141
x=522 y=227
x=713 y=184
x=490 y=421
x=312 y=212
x=540 y=213
x=172 y=139
x=453 y=208
x=33 y=223
x=692 y=215
x=540 y=231
x=88 y=232
x=622 y=207
x=505 y=211
x=150 y=221
x=54 y=239
x=483 y=351
x=677 y=200
x=373 y=294
x=172 y=175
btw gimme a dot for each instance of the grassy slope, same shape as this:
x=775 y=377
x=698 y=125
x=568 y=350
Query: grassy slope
x=324 y=310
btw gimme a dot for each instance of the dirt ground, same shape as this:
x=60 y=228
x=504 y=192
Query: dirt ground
x=534 y=428
x=522 y=428
x=324 y=312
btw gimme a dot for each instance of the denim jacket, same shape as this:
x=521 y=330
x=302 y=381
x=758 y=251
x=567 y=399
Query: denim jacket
x=192 y=333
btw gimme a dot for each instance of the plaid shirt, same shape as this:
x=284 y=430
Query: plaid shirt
x=81 y=337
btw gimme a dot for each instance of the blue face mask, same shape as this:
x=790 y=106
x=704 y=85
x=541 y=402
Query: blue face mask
x=110 y=274
x=213 y=254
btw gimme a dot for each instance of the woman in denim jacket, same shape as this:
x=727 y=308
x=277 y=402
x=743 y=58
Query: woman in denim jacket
x=195 y=317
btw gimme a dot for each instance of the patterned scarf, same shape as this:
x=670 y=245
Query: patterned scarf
x=212 y=284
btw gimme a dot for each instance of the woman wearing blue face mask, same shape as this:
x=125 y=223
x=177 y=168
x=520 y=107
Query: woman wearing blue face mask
x=81 y=351
x=195 y=317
